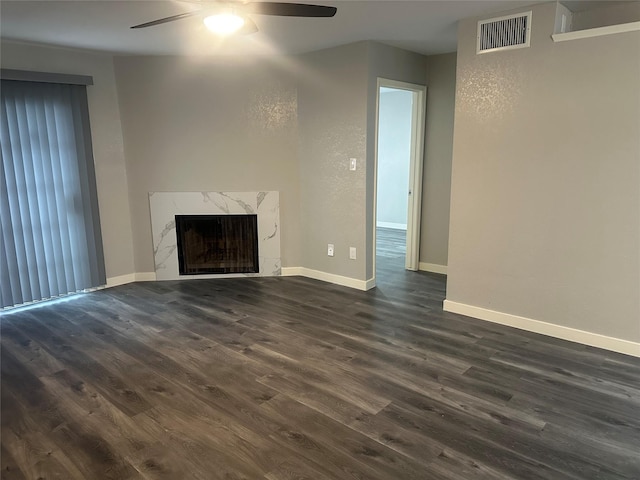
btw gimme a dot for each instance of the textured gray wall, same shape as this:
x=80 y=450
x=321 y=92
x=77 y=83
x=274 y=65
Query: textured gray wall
x=337 y=120
x=332 y=100
x=106 y=134
x=290 y=124
x=438 y=151
x=233 y=124
x=545 y=210
x=224 y=124
x=604 y=15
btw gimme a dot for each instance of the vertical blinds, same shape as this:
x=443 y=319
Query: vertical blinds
x=50 y=239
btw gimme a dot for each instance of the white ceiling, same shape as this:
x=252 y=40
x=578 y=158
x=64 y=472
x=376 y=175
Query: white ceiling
x=423 y=26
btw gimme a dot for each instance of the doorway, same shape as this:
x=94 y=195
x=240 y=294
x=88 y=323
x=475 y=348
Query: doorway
x=400 y=117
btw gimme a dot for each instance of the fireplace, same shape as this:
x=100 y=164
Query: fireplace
x=218 y=244
x=164 y=206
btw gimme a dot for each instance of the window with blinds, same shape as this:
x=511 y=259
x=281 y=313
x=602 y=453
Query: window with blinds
x=50 y=238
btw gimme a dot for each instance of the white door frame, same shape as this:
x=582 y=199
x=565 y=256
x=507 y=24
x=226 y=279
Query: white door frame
x=414 y=193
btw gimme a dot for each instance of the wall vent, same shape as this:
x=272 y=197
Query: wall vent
x=504 y=33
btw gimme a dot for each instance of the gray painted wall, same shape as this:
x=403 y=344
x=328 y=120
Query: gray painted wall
x=604 y=15
x=394 y=156
x=436 y=183
x=330 y=116
x=202 y=124
x=289 y=124
x=545 y=210
x=106 y=134
x=333 y=128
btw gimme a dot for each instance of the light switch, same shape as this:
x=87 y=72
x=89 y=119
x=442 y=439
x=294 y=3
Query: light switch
x=353 y=163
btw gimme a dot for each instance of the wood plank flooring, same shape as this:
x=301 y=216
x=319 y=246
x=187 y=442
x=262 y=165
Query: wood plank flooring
x=291 y=378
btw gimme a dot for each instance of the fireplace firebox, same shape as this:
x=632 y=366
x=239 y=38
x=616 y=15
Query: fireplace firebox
x=214 y=244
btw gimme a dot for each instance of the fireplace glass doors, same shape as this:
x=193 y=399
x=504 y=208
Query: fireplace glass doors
x=214 y=244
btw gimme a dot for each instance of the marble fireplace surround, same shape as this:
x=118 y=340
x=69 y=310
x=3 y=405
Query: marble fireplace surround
x=165 y=205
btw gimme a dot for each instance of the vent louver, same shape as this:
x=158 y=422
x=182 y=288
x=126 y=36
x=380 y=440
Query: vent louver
x=504 y=33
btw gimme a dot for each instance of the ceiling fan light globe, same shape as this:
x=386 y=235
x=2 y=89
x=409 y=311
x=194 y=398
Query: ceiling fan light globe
x=224 y=23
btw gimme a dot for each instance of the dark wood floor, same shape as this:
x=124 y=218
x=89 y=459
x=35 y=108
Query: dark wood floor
x=291 y=378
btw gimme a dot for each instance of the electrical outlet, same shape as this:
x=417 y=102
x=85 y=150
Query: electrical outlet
x=352 y=253
x=330 y=249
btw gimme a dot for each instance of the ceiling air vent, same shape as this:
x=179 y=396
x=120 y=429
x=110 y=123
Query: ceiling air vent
x=504 y=33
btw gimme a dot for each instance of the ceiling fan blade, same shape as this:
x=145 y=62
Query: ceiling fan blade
x=173 y=18
x=290 y=9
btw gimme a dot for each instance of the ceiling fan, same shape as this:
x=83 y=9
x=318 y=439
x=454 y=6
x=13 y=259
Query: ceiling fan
x=227 y=17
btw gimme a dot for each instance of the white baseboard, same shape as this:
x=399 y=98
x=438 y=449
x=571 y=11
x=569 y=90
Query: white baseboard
x=285 y=272
x=291 y=272
x=329 y=277
x=130 y=278
x=146 y=277
x=395 y=226
x=121 y=280
x=433 y=268
x=544 y=328
x=369 y=284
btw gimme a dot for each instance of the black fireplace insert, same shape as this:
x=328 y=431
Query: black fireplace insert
x=217 y=244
